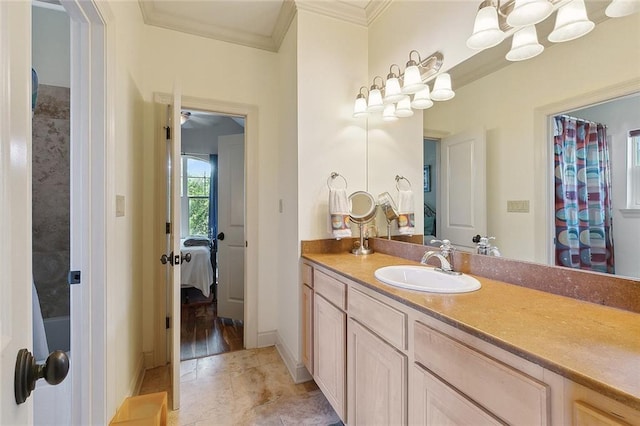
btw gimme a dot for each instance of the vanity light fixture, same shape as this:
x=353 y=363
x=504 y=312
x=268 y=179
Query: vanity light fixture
x=422 y=99
x=495 y=18
x=389 y=113
x=391 y=100
x=360 y=107
x=620 y=8
x=404 y=107
x=392 y=91
x=375 y=97
x=525 y=44
x=442 y=88
x=571 y=22
x=412 y=78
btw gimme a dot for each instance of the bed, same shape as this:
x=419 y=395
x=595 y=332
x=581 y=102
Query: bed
x=198 y=272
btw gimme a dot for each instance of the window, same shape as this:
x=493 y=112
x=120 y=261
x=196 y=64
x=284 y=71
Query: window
x=196 y=186
x=633 y=173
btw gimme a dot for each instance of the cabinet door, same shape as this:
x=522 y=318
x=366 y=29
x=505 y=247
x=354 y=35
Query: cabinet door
x=377 y=379
x=307 y=328
x=329 y=352
x=435 y=403
x=586 y=415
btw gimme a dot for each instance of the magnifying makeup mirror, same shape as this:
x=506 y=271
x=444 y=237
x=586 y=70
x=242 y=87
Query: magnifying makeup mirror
x=390 y=210
x=362 y=209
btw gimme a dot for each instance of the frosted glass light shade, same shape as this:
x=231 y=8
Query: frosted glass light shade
x=525 y=44
x=442 y=88
x=389 y=113
x=571 y=22
x=486 y=30
x=422 y=99
x=404 y=107
x=620 y=8
x=529 y=12
x=412 y=80
x=360 y=107
x=375 y=101
x=392 y=91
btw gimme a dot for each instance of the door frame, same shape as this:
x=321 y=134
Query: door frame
x=250 y=112
x=92 y=190
x=544 y=192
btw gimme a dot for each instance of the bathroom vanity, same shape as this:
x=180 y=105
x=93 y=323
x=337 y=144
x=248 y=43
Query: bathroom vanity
x=504 y=354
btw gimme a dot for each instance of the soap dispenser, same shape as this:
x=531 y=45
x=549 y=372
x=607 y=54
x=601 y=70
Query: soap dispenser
x=484 y=246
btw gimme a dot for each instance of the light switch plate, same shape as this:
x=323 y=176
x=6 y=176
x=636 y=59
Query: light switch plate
x=119 y=205
x=518 y=206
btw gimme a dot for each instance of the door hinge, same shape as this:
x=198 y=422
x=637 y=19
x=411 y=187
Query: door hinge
x=73 y=277
x=167 y=323
x=168 y=129
x=167 y=228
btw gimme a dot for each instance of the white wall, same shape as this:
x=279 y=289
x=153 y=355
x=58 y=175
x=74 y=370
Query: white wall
x=51 y=54
x=620 y=117
x=124 y=275
x=225 y=73
x=505 y=103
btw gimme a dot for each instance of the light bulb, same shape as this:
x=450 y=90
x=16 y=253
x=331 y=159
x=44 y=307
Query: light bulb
x=375 y=101
x=571 y=22
x=486 y=30
x=422 y=99
x=442 y=88
x=360 y=106
x=529 y=12
x=403 y=109
x=389 y=113
x=524 y=44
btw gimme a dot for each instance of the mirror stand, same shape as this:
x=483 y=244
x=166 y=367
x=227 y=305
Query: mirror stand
x=362 y=249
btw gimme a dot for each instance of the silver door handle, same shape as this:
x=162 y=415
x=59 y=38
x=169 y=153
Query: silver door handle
x=27 y=373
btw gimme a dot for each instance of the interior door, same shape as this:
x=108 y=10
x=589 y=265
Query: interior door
x=173 y=241
x=231 y=238
x=15 y=202
x=463 y=206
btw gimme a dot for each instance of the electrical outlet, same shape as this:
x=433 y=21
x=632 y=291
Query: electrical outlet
x=518 y=206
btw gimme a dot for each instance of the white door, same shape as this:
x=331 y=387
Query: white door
x=231 y=239
x=15 y=202
x=463 y=206
x=173 y=255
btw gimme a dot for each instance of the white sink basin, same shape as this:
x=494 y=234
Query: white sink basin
x=425 y=278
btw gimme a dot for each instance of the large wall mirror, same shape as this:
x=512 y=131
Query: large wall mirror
x=514 y=104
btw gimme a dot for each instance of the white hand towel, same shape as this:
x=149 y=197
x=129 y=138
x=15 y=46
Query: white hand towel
x=339 y=213
x=406 y=212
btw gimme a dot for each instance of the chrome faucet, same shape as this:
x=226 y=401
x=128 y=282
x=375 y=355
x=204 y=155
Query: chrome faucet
x=444 y=256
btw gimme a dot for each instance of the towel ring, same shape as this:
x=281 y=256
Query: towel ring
x=398 y=179
x=333 y=177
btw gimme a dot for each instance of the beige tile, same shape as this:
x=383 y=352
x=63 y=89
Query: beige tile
x=250 y=387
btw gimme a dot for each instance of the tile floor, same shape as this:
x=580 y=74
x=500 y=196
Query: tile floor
x=248 y=387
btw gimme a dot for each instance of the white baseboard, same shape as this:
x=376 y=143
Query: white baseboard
x=297 y=370
x=138 y=377
x=267 y=338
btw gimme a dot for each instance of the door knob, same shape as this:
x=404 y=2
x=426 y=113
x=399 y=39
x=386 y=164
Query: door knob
x=221 y=236
x=54 y=370
x=186 y=258
x=167 y=258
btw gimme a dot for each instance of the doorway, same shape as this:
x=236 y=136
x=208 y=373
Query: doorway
x=431 y=160
x=212 y=194
x=596 y=229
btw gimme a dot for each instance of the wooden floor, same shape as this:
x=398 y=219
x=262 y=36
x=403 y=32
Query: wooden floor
x=203 y=333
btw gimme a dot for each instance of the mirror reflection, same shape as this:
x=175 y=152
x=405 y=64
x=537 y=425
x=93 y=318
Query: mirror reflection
x=362 y=209
x=515 y=106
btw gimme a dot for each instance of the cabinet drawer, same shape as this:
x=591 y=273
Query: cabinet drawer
x=332 y=290
x=307 y=275
x=509 y=394
x=387 y=322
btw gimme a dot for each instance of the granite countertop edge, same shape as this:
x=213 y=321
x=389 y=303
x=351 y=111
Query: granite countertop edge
x=601 y=386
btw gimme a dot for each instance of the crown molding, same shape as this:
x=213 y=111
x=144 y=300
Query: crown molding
x=342 y=10
x=375 y=8
x=153 y=17
x=287 y=13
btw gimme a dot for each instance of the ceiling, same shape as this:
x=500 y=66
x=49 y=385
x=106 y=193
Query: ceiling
x=261 y=24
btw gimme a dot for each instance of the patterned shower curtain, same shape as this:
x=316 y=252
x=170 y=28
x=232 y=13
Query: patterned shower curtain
x=583 y=217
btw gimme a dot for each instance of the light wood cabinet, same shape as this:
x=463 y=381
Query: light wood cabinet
x=586 y=415
x=329 y=357
x=433 y=402
x=307 y=328
x=377 y=379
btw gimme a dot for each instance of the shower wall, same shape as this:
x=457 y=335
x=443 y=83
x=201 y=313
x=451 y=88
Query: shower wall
x=51 y=199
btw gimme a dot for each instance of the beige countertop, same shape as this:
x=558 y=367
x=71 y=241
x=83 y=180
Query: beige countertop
x=594 y=345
